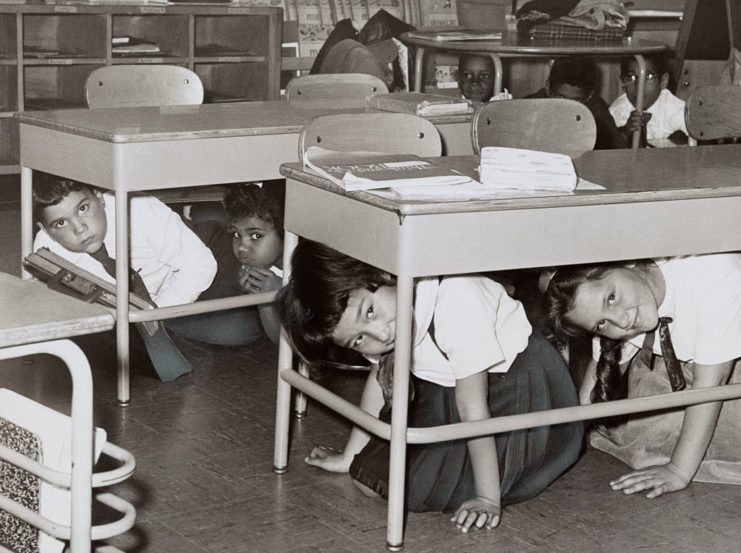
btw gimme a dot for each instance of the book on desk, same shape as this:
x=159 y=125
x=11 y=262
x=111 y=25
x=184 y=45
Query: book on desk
x=420 y=103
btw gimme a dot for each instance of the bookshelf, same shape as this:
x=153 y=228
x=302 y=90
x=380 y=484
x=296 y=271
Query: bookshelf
x=47 y=50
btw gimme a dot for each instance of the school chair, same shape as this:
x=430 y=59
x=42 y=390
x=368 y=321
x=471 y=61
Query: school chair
x=142 y=85
x=387 y=132
x=336 y=90
x=118 y=86
x=553 y=125
x=713 y=112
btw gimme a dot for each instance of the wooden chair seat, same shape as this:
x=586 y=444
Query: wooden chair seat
x=714 y=112
x=142 y=85
x=386 y=132
x=546 y=124
x=337 y=90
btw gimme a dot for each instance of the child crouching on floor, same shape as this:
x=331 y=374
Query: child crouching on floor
x=474 y=356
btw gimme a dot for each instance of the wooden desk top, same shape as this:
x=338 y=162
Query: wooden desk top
x=652 y=174
x=30 y=312
x=152 y=124
x=512 y=43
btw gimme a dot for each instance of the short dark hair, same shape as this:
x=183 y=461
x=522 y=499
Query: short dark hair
x=578 y=71
x=468 y=56
x=660 y=62
x=251 y=200
x=49 y=190
x=312 y=303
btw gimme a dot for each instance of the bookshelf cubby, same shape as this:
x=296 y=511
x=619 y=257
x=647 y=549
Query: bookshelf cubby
x=47 y=50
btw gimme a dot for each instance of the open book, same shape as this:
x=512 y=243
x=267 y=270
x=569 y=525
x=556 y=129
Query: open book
x=420 y=103
x=520 y=169
x=370 y=170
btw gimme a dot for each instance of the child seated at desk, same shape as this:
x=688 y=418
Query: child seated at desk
x=170 y=265
x=575 y=78
x=246 y=238
x=474 y=356
x=663 y=113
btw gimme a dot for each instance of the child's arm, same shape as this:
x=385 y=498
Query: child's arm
x=588 y=382
x=254 y=280
x=339 y=461
x=697 y=431
x=484 y=510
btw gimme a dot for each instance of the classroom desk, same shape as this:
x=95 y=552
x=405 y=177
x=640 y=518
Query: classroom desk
x=147 y=148
x=34 y=319
x=657 y=202
x=514 y=45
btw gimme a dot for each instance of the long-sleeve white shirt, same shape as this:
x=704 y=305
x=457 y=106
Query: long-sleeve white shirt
x=172 y=261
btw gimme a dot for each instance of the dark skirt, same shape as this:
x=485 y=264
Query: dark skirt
x=439 y=476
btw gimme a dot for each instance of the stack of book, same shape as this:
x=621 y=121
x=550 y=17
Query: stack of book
x=128 y=45
x=564 y=30
x=526 y=170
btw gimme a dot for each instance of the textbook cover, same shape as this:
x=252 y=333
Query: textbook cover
x=371 y=170
x=420 y=103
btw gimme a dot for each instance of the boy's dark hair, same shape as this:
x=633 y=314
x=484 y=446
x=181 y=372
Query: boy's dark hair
x=250 y=200
x=660 y=62
x=50 y=189
x=578 y=71
x=469 y=56
x=312 y=303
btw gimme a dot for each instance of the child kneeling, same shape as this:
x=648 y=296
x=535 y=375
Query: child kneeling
x=474 y=357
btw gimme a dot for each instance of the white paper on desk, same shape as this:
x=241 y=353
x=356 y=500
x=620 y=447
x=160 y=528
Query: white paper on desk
x=54 y=431
x=474 y=190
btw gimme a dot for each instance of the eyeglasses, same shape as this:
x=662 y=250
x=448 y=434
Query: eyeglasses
x=632 y=78
x=580 y=99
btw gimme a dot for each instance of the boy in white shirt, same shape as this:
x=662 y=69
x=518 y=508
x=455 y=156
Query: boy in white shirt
x=173 y=263
x=663 y=113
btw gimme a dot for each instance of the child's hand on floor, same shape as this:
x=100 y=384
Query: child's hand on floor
x=657 y=480
x=253 y=280
x=329 y=459
x=479 y=512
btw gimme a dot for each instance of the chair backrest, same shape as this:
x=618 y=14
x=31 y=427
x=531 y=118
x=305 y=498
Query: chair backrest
x=343 y=90
x=142 y=85
x=388 y=132
x=714 y=112
x=547 y=124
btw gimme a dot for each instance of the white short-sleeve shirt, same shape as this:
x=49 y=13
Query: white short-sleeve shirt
x=667 y=114
x=465 y=325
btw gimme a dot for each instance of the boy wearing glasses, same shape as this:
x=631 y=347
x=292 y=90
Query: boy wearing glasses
x=663 y=114
x=575 y=78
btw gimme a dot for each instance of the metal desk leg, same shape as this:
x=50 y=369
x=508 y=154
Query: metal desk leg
x=497 y=72
x=399 y=408
x=122 y=294
x=285 y=362
x=418 y=69
x=26 y=217
x=640 y=60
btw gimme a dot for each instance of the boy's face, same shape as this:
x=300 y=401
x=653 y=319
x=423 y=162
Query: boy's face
x=78 y=222
x=255 y=242
x=368 y=324
x=655 y=83
x=476 y=78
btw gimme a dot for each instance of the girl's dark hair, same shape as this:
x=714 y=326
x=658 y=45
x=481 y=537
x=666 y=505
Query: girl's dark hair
x=50 y=189
x=246 y=199
x=311 y=304
x=559 y=297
